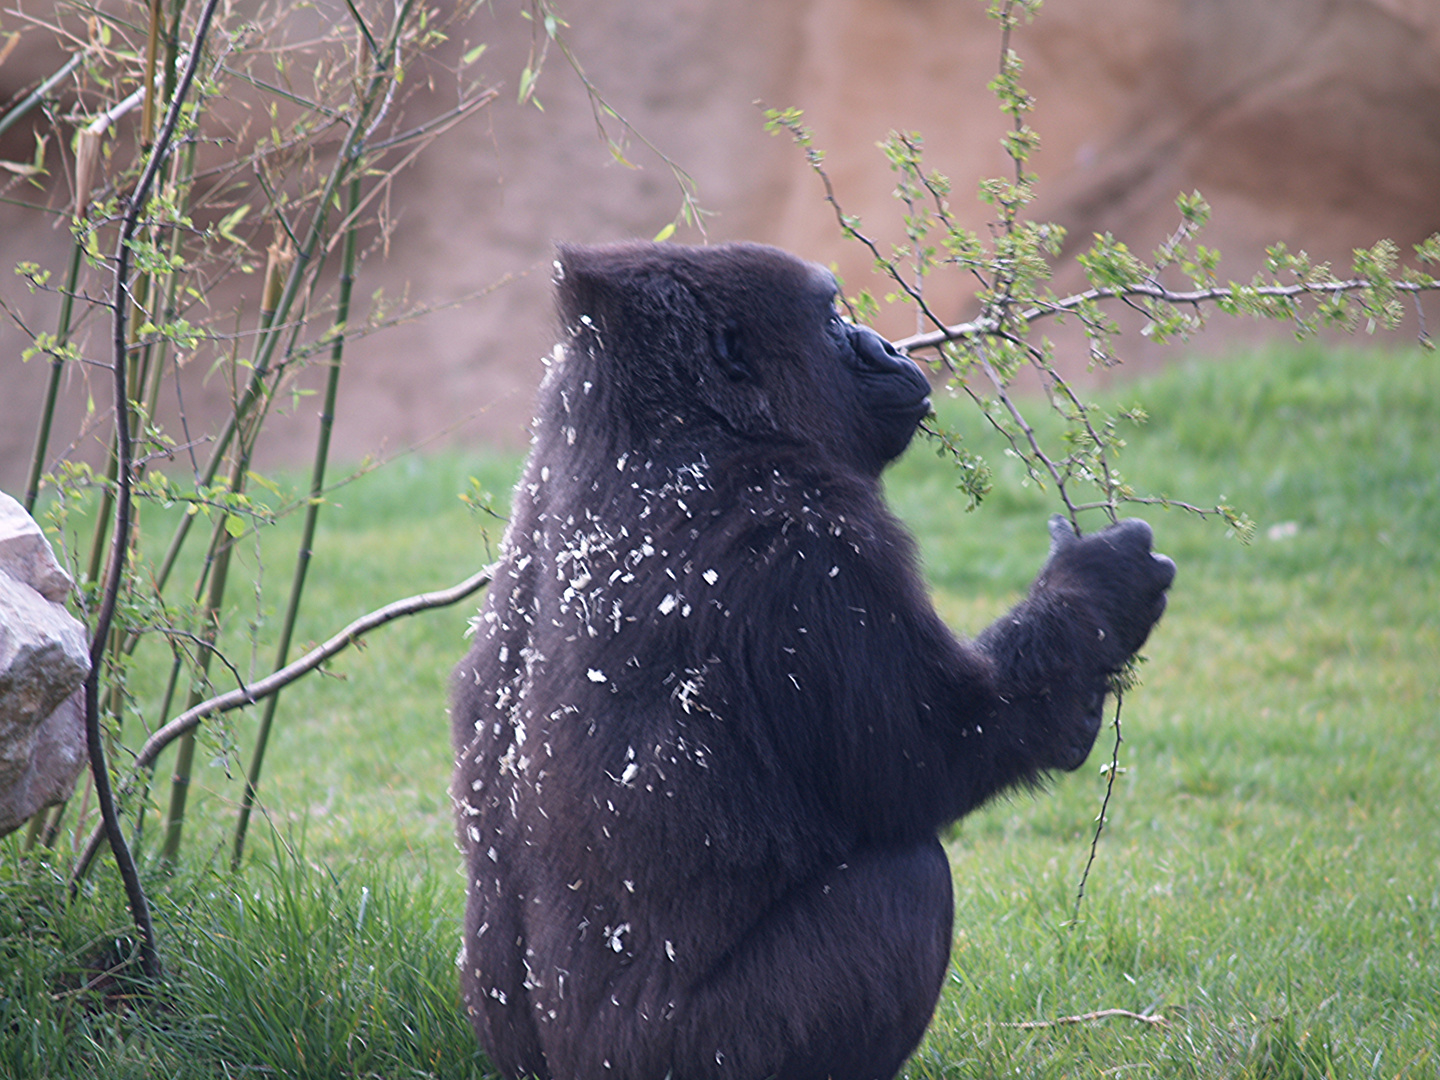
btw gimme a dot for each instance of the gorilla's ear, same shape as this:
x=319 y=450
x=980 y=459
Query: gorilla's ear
x=578 y=274
x=730 y=353
x=1062 y=534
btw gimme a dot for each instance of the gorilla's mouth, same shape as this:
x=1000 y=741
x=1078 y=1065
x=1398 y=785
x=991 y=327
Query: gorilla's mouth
x=912 y=414
x=917 y=407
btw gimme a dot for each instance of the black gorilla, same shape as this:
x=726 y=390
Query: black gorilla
x=710 y=723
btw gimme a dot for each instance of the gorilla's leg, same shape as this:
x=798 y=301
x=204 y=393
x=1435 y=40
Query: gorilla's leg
x=492 y=979
x=839 y=980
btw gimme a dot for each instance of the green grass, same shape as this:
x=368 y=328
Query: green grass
x=1268 y=878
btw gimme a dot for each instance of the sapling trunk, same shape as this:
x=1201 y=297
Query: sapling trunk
x=104 y=618
x=150 y=373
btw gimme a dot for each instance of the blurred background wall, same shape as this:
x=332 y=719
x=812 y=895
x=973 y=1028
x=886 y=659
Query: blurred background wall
x=1315 y=122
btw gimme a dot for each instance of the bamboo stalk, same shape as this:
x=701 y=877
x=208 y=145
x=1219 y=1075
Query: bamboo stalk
x=103 y=512
x=273 y=321
x=36 y=829
x=172 y=50
x=312 y=515
x=265 y=346
x=185 y=752
x=218 y=571
x=52 y=386
x=345 y=165
x=152 y=48
x=38 y=94
x=165 y=702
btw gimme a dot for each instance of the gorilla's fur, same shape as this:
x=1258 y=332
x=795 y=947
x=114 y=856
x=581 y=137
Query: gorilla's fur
x=710 y=723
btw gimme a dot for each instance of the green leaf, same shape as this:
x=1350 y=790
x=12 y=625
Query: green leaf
x=226 y=227
x=619 y=155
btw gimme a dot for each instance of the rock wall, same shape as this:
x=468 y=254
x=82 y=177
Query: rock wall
x=1315 y=122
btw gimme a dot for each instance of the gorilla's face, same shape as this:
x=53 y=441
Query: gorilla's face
x=738 y=342
x=890 y=393
x=783 y=341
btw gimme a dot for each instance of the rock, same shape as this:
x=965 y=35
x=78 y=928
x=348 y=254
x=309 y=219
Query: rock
x=26 y=555
x=56 y=759
x=44 y=657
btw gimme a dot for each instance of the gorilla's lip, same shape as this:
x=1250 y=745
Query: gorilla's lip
x=918 y=408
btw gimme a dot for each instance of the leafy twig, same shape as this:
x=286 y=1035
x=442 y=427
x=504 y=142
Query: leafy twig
x=1149 y=290
x=550 y=23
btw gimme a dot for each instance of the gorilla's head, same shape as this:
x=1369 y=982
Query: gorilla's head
x=737 y=344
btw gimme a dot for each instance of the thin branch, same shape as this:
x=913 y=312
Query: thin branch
x=38 y=94
x=438 y=126
x=1104 y=806
x=1024 y=425
x=549 y=23
x=365 y=30
x=280 y=92
x=1148 y=290
x=850 y=226
x=263 y=688
x=427 y=133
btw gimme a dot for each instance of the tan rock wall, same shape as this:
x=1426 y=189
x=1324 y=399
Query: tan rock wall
x=1316 y=122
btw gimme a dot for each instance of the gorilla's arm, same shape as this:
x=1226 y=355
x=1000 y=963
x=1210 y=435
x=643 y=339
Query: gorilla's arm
x=1089 y=610
x=904 y=726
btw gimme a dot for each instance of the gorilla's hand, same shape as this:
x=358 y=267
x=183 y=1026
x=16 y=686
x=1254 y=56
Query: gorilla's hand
x=1116 y=576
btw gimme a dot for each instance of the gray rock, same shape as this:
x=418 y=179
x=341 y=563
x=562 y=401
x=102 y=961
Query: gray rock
x=49 y=775
x=44 y=657
x=26 y=555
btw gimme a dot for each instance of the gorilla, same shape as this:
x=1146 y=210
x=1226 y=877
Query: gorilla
x=710 y=723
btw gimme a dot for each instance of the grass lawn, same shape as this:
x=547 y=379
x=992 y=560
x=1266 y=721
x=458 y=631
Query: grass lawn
x=1267 y=881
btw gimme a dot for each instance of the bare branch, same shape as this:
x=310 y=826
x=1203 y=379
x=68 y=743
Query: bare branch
x=258 y=691
x=1085 y=1018
x=1111 y=771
